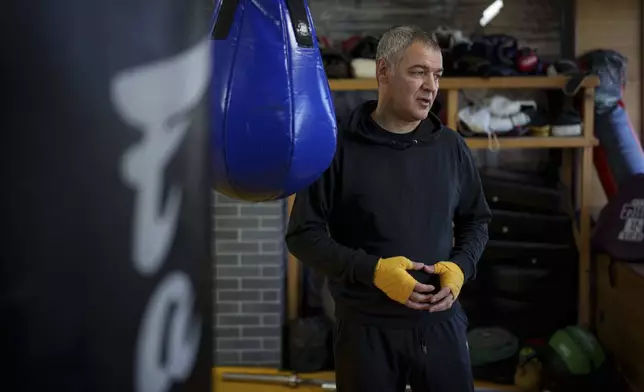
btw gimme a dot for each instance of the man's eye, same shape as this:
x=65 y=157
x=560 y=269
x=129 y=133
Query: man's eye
x=419 y=73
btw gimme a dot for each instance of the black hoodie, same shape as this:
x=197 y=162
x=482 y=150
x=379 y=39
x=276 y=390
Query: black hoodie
x=386 y=195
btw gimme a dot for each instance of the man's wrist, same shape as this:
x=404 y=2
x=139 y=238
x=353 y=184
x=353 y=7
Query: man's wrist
x=465 y=264
x=365 y=268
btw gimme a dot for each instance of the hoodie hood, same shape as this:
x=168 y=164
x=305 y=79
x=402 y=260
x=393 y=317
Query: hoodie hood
x=362 y=126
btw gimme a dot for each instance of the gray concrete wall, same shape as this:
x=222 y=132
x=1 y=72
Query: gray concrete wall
x=535 y=23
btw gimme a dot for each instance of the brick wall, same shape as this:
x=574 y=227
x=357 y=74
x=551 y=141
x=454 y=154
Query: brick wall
x=250 y=256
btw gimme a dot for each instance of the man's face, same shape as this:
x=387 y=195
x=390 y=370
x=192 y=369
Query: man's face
x=412 y=85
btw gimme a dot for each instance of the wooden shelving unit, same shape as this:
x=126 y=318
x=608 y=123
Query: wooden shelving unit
x=452 y=86
x=533 y=142
x=581 y=161
x=463 y=83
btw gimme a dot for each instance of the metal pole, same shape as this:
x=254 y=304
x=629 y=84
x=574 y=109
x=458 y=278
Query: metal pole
x=295 y=381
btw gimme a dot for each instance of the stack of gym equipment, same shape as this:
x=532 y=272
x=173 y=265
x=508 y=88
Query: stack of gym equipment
x=526 y=281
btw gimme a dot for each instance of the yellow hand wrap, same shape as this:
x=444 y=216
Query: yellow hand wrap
x=392 y=278
x=450 y=275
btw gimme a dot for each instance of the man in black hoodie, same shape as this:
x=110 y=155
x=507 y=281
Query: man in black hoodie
x=397 y=224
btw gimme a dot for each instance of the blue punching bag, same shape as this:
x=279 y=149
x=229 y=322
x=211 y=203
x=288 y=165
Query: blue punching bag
x=273 y=120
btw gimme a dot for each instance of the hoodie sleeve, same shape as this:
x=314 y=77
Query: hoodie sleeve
x=308 y=238
x=471 y=217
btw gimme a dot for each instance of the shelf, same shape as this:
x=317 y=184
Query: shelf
x=531 y=142
x=456 y=83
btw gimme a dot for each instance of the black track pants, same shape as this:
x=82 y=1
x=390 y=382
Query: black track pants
x=376 y=359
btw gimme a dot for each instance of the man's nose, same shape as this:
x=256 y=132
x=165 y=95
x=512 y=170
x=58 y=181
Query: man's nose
x=431 y=83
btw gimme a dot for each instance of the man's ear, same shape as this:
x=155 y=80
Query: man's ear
x=383 y=70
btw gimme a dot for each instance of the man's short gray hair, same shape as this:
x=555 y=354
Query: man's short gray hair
x=395 y=40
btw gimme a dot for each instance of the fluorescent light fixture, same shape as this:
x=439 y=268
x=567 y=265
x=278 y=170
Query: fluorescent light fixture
x=491 y=12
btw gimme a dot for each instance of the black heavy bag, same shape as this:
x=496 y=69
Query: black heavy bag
x=105 y=278
x=620 y=227
x=273 y=122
